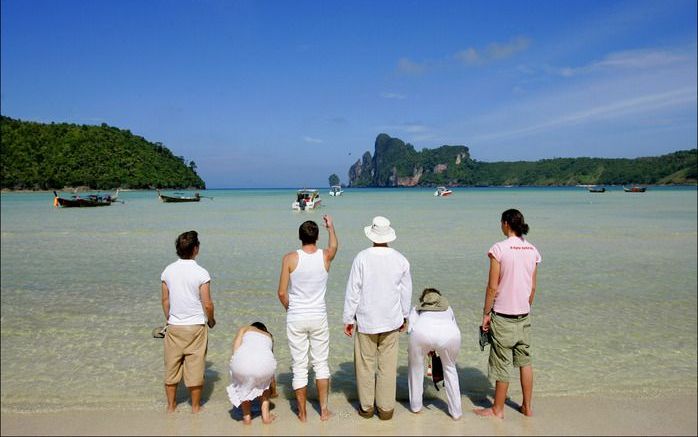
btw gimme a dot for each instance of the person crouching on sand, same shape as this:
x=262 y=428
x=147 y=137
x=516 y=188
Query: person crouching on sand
x=433 y=327
x=252 y=368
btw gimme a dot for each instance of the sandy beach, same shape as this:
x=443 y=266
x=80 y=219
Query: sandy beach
x=572 y=415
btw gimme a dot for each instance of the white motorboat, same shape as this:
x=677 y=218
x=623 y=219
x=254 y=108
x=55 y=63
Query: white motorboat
x=336 y=190
x=442 y=192
x=306 y=199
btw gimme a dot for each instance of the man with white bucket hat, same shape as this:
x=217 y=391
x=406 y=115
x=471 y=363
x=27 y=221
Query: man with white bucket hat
x=377 y=302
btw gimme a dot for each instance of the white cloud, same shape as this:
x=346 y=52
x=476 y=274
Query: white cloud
x=494 y=51
x=407 y=66
x=643 y=59
x=308 y=139
x=644 y=103
x=393 y=96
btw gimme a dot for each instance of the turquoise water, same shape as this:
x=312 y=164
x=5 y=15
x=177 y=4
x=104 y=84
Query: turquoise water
x=615 y=310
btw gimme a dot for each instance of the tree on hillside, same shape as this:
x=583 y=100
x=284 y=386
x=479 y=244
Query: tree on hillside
x=334 y=179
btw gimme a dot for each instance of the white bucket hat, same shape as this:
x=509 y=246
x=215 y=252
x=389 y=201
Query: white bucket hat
x=380 y=231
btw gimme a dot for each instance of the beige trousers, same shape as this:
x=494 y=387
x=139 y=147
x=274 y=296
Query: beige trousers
x=375 y=362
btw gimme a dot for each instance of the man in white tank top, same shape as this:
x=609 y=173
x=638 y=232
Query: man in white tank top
x=302 y=287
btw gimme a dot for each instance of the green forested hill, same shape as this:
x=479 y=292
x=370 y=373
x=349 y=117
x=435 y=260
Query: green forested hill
x=57 y=155
x=395 y=163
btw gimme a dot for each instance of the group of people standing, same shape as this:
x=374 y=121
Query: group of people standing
x=377 y=308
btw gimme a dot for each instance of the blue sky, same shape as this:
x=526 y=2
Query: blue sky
x=284 y=93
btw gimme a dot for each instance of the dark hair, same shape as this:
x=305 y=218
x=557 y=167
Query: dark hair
x=186 y=243
x=308 y=232
x=259 y=325
x=515 y=220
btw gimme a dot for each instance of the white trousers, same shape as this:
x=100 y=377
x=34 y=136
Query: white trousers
x=445 y=340
x=308 y=337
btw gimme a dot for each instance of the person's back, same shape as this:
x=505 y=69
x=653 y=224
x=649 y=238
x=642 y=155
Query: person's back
x=183 y=278
x=517 y=259
x=308 y=286
x=377 y=303
x=381 y=274
x=301 y=291
x=188 y=309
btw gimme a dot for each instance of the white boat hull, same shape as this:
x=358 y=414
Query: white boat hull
x=309 y=205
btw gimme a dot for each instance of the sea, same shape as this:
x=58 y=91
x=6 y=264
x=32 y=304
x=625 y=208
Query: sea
x=614 y=313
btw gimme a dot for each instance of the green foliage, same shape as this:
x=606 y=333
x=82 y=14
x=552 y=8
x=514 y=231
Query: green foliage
x=452 y=165
x=53 y=156
x=334 y=179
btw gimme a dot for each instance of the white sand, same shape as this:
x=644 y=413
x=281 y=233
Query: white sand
x=553 y=416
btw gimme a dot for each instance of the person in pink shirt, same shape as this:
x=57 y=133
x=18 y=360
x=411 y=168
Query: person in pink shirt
x=510 y=291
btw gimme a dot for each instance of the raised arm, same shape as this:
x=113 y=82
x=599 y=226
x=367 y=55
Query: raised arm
x=491 y=292
x=332 y=243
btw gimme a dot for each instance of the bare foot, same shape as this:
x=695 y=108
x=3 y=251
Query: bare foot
x=171 y=409
x=247 y=419
x=196 y=409
x=302 y=417
x=485 y=412
x=526 y=411
x=325 y=414
x=268 y=419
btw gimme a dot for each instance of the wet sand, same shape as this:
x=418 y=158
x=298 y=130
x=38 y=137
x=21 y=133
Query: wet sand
x=572 y=415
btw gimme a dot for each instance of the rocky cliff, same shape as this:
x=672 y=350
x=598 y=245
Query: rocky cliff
x=397 y=164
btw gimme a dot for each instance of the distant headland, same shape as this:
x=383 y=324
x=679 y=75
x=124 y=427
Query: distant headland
x=39 y=156
x=395 y=163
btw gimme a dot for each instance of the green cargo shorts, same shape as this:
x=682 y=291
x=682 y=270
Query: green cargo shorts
x=511 y=345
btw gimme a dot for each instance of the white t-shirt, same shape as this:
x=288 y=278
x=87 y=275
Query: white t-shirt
x=379 y=290
x=183 y=278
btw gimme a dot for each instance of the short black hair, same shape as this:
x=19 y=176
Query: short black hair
x=308 y=232
x=515 y=220
x=261 y=326
x=186 y=243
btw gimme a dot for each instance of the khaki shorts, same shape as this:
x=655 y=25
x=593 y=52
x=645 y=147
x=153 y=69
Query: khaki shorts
x=511 y=345
x=185 y=354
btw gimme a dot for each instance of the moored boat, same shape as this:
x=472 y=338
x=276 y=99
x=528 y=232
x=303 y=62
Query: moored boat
x=306 y=199
x=635 y=189
x=596 y=189
x=336 y=190
x=86 y=200
x=180 y=197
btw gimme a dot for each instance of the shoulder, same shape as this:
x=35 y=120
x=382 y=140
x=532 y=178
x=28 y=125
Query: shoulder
x=290 y=258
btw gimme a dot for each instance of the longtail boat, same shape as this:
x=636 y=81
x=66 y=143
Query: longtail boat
x=87 y=200
x=180 y=197
x=635 y=189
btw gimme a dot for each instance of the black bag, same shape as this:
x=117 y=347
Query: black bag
x=437 y=369
x=485 y=338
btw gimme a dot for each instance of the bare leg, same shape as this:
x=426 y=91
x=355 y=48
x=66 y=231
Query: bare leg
x=246 y=413
x=527 y=389
x=500 y=395
x=196 y=398
x=323 y=388
x=301 y=396
x=171 y=393
x=267 y=417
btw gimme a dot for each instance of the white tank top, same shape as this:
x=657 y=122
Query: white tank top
x=307 y=288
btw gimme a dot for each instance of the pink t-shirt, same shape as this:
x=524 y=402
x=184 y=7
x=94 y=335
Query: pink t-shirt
x=517 y=260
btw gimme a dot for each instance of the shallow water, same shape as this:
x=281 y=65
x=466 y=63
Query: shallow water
x=615 y=310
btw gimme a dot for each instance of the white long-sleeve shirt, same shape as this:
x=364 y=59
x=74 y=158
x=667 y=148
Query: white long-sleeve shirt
x=379 y=291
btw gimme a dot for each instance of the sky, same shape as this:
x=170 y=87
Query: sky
x=276 y=93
